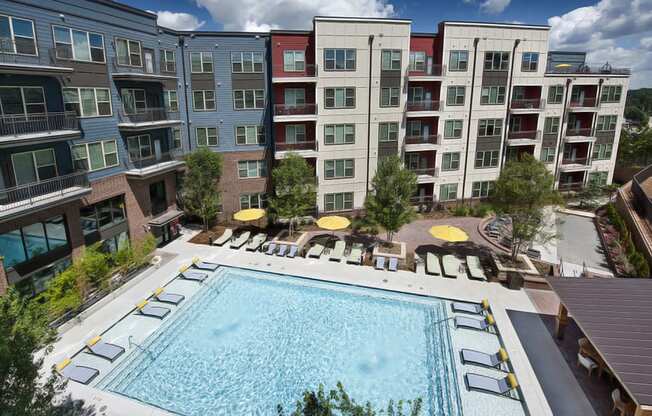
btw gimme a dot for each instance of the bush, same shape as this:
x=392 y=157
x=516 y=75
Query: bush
x=482 y=210
x=64 y=293
x=133 y=256
x=461 y=211
x=94 y=266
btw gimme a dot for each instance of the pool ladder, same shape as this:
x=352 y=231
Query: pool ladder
x=140 y=347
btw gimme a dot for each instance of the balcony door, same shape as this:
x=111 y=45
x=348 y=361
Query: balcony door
x=157 y=197
x=22 y=101
x=295 y=97
x=36 y=166
x=148 y=54
x=133 y=101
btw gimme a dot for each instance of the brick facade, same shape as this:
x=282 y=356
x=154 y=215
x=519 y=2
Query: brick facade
x=232 y=186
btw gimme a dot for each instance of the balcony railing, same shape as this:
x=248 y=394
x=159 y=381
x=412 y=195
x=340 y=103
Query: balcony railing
x=527 y=103
x=524 y=134
x=429 y=139
x=149 y=115
x=151 y=163
x=576 y=161
x=434 y=172
x=586 y=132
x=294 y=109
x=586 y=102
x=432 y=105
x=18 y=124
x=31 y=193
x=304 y=145
x=589 y=69
x=280 y=70
x=571 y=186
x=433 y=70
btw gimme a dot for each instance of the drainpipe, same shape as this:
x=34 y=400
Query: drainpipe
x=560 y=141
x=185 y=90
x=371 y=43
x=503 y=143
x=468 y=125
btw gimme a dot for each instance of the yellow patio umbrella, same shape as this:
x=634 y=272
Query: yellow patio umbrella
x=448 y=233
x=563 y=66
x=333 y=223
x=251 y=214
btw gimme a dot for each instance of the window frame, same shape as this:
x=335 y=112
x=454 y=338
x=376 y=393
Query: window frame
x=204 y=100
x=149 y=145
x=602 y=151
x=35 y=165
x=298 y=133
x=294 y=53
x=604 y=123
x=260 y=196
x=527 y=61
x=454 y=122
x=86 y=145
x=347 y=165
x=484 y=189
x=259 y=132
x=610 y=92
x=129 y=52
x=347 y=199
x=456 y=95
x=485 y=91
x=453 y=160
x=334 y=90
x=261 y=169
x=546 y=153
x=97 y=103
x=242 y=61
x=24 y=103
x=448 y=187
x=415 y=64
x=72 y=45
x=167 y=100
x=13 y=36
x=551 y=125
x=244 y=99
x=208 y=137
x=133 y=91
x=335 y=127
x=394 y=64
x=503 y=61
x=391 y=128
x=394 y=97
x=346 y=58
x=202 y=62
x=166 y=62
x=459 y=53
x=486 y=159
x=496 y=124
x=557 y=92
x=177 y=143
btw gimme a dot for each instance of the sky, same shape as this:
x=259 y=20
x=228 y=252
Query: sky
x=614 y=31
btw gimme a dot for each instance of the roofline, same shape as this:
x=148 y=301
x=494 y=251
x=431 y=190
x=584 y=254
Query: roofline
x=424 y=34
x=127 y=8
x=290 y=32
x=361 y=19
x=566 y=52
x=489 y=24
x=193 y=33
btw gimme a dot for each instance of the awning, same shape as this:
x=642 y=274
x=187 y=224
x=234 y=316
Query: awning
x=165 y=218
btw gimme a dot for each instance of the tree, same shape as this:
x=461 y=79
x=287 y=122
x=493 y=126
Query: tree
x=388 y=204
x=337 y=402
x=294 y=189
x=521 y=192
x=635 y=148
x=589 y=195
x=637 y=115
x=200 y=194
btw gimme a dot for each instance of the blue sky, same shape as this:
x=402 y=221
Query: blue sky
x=618 y=31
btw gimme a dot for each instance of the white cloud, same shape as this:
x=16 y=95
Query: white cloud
x=494 y=6
x=178 y=21
x=256 y=15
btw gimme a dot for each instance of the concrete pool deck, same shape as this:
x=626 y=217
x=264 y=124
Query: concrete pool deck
x=103 y=320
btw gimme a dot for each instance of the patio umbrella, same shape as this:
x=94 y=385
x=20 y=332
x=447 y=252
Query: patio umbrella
x=333 y=223
x=563 y=66
x=246 y=215
x=448 y=233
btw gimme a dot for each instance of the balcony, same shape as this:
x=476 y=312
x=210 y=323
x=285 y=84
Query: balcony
x=306 y=148
x=295 y=112
x=422 y=143
x=423 y=200
x=422 y=108
x=148 y=118
x=575 y=164
x=281 y=75
x=425 y=175
x=571 y=186
x=144 y=168
x=18 y=128
x=43 y=64
x=577 y=135
x=527 y=104
x=431 y=73
x=24 y=199
x=130 y=73
x=588 y=103
x=523 y=137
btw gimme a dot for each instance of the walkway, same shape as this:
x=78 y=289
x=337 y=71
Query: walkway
x=416 y=233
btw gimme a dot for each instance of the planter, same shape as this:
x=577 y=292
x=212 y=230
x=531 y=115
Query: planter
x=298 y=239
x=399 y=251
x=528 y=272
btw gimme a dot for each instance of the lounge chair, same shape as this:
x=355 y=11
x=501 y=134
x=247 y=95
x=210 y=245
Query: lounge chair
x=475 y=268
x=501 y=386
x=256 y=242
x=240 y=240
x=204 y=265
x=172 y=298
x=293 y=251
x=477 y=324
x=282 y=250
x=144 y=308
x=474 y=308
x=355 y=256
x=451 y=265
x=271 y=248
x=380 y=263
x=193 y=275
x=315 y=251
x=224 y=238
x=432 y=264
x=338 y=251
x=482 y=358
x=104 y=349
x=393 y=264
x=78 y=373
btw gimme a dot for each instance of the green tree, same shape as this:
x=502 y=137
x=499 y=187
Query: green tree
x=637 y=115
x=388 y=204
x=294 y=189
x=338 y=403
x=521 y=192
x=199 y=191
x=589 y=195
x=635 y=148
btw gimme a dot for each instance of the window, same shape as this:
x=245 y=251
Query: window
x=203 y=100
x=448 y=192
x=338 y=202
x=450 y=161
x=22 y=100
x=455 y=95
x=496 y=61
x=453 y=129
x=78 y=45
x=515 y=124
x=555 y=94
x=481 y=189
x=339 y=133
x=602 y=151
x=33 y=240
x=252 y=169
x=133 y=101
x=415 y=94
x=547 y=154
x=606 y=123
x=88 y=102
x=492 y=95
x=140 y=147
x=490 y=127
x=246 y=62
x=486 y=159
x=17 y=36
x=339 y=168
x=254 y=134
x=611 y=93
x=248 y=201
x=417 y=61
x=339 y=59
x=294 y=96
x=458 y=61
x=387 y=132
x=294 y=61
x=339 y=97
x=530 y=62
x=413 y=128
x=95 y=155
x=295 y=133
x=35 y=166
x=128 y=52
x=169 y=61
x=102 y=215
x=389 y=97
x=176 y=138
x=201 y=62
x=206 y=136
x=551 y=125
x=248 y=99
x=390 y=60
x=171 y=100
x=599 y=178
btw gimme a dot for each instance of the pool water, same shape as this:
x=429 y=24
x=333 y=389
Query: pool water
x=249 y=341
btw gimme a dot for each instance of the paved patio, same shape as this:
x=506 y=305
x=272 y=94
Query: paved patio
x=416 y=233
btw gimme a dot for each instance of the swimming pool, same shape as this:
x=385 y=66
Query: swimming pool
x=249 y=341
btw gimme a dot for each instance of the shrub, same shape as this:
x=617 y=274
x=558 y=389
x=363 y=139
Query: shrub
x=461 y=211
x=482 y=210
x=94 y=266
x=64 y=293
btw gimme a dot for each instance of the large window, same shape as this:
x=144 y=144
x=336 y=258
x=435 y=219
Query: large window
x=206 y=136
x=450 y=161
x=22 y=100
x=486 y=159
x=490 y=127
x=415 y=94
x=203 y=100
x=448 y=192
x=294 y=96
x=339 y=59
x=453 y=129
x=339 y=133
x=248 y=99
x=606 y=123
x=140 y=147
x=34 y=166
x=128 y=52
x=340 y=97
x=338 y=202
x=294 y=61
x=201 y=62
x=530 y=62
x=103 y=214
x=33 y=240
x=496 y=61
x=611 y=93
x=551 y=125
x=555 y=94
x=339 y=168
x=458 y=61
x=455 y=95
x=387 y=132
x=88 y=102
x=599 y=178
x=169 y=61
x=134 y=101
x=253 y=134
x=482 y=189
x=295 y=133
x=244 y=62
x=602 y=151
x=248 y=201
x=252 y=169
x=389 y=97
x=390 y=60
x=547 y=154
x=78 y=45
x=171 y=100
x=417 y=61
x=17 y=36
x=492 y=95
x=413 y=128
x=95 y=155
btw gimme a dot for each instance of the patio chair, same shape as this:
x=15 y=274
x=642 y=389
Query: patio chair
x=432 y=264
x=338 y=251
x=473 y=308
x=172 y=298
x=618 y=403
x=478 y=324
x=204 y=265
x=475 y=268
x=256 y=242
x=393 y=264
x=380 y=263
x=293 y=251
x=104 y=349
x=79 y=373
x=500 y=386
x=193 y=275
x=240 y=240
x=451 y=265
x=271 y=248
x=224 y=238
x=145 y=309
x=282 y=250
x=315 y=251
x=483 y=359
x=587 y=363
x=355 y=256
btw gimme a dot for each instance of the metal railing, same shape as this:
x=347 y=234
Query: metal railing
x=303 y=145
x=524 y=134
x=295 y=109
x=309 y=70
x=527 y=103
x=586 y=102
x=571 y=186
x=28 y=194
x=589 y=69
x=434 y=172
x=433 y=70
x=587 y=132
x=151 y=163
x=423 y=105
x=576 y=161
x=429 y=139
x=149 y=115
x=17 y=124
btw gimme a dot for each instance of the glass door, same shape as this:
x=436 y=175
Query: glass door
x=149 y=61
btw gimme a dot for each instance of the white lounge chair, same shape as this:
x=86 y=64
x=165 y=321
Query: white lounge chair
x=161 y=295
x=503 y=386
x=473 y=308
x=355 y=256
x=293 y=251
x=282 y=250
x=483 y=359
x=478 y=324
x=271 y=248
x=315 y=251
x=475 y=268
x=144 y=308
x=104 y=349
x=432 y=264
x=338 y=251
x=79 y=373
x=224 y=238
x=240 y=240
x=256 y=242
x=393 y=264
x=451 y=265
x=380 y=263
